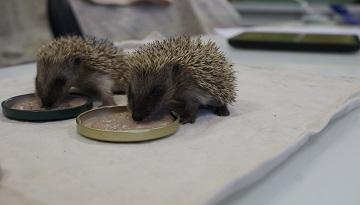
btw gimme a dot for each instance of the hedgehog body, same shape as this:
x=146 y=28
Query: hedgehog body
x=179 y=74
x=82 y=62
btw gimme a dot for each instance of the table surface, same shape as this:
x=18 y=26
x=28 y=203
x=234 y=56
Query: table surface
x=325 y=170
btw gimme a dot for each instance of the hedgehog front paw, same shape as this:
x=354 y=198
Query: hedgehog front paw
x=186 y=118
x=222 y=111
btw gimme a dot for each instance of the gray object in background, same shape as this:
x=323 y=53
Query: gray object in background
x=191 y=17
x=23 y=26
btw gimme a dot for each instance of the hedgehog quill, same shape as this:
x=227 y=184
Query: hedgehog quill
x=86 y=63
x=179 y=74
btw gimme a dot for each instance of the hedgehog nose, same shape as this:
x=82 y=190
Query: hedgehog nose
x=137 y=117
x=46 y=104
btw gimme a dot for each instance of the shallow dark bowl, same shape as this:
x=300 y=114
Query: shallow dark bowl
x=43 y=115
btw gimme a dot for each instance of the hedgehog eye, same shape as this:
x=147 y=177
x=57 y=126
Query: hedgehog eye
x=60 y=81
x=77 y=61
x=158 y=91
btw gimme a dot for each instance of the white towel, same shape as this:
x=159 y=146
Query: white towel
x=275 y=113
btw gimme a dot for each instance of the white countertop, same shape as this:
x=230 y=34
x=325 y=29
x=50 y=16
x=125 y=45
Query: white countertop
x=325 y=170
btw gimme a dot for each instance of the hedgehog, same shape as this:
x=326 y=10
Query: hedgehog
x=83 y=62
x=182 y=75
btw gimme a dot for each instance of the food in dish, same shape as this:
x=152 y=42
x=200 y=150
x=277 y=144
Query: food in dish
x=122 y=121
x=33 y=104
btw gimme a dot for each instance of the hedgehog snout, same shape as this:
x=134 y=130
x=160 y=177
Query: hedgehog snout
x=46 y=103
x=43 y=99
x=49 y=99
x=137 y=117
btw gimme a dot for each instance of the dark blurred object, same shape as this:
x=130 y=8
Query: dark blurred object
x=62 y=20
x=337 y=43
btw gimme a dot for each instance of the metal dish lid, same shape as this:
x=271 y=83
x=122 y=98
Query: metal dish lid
x=85 y=120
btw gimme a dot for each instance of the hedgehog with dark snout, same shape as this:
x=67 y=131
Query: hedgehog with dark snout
x=85 y=63
x=182 y=75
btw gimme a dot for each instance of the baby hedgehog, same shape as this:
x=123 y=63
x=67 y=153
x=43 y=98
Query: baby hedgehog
x=179 y=74
x=83 y=62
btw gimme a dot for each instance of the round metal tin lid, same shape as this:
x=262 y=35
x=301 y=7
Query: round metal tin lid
x=86 y=119
x=43 y=115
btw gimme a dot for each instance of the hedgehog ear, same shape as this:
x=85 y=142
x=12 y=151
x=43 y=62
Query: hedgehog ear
x=175 y=69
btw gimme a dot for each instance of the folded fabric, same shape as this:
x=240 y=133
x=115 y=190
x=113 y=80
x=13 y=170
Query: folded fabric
x=180 y=17
x=128 y=2
x=275 y=113
x=131 y=45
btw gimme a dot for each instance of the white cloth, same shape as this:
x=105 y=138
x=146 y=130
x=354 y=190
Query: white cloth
x=275 y=113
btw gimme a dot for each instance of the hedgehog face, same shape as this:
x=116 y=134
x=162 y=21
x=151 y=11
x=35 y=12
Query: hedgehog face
x=150 y=92
x=55 y=78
